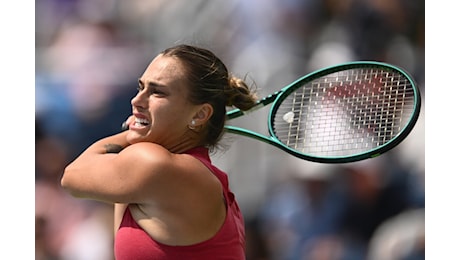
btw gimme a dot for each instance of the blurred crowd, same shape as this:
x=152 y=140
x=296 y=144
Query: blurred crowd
x=89 y=54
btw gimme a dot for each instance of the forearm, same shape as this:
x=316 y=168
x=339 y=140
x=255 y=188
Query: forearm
x=80 y=176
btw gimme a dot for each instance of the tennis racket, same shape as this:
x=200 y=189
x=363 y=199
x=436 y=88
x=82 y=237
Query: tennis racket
x=340 y=114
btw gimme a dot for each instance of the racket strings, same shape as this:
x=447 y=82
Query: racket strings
x=345 y=113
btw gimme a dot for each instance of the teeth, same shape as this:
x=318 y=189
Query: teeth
x=141 y=121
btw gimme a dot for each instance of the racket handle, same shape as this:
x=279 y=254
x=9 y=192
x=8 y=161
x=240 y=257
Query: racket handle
x=124 y=126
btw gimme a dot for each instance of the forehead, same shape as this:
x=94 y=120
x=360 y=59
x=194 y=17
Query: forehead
x=164 y=70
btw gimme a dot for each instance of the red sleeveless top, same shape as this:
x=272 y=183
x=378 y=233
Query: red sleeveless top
x=133 y=243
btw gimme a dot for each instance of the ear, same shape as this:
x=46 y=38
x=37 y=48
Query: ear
x=203 y=114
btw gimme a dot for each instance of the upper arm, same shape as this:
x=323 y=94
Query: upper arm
x=126 y=177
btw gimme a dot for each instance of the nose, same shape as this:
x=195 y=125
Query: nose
x=139 y=100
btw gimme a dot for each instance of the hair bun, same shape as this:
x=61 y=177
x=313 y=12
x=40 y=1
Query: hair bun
x=239 y=94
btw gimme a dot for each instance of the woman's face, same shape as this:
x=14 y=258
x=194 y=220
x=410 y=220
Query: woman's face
x=161 y=109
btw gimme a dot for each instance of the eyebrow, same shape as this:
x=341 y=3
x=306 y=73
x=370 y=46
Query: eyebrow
x=150 y=84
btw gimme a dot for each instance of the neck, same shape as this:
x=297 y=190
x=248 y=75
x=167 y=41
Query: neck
x=188 y=142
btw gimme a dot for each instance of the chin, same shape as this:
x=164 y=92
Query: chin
x=134 y=137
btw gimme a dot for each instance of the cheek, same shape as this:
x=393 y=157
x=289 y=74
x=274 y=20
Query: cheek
x=171 y=113
x=170 y=118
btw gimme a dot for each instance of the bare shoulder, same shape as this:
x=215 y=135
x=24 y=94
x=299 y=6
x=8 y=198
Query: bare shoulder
x=156 y=160
x=183 y=204
x=146 y=152
x=168 y=176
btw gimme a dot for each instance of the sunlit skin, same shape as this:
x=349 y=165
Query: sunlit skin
x=172 y=196
x=161 y=101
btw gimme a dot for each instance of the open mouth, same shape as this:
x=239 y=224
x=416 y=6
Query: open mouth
x=141 y=122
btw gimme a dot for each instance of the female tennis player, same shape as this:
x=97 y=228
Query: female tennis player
x=170 y=201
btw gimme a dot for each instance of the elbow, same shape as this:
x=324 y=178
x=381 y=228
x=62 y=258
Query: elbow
x=64 y=182
x=67 y=184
